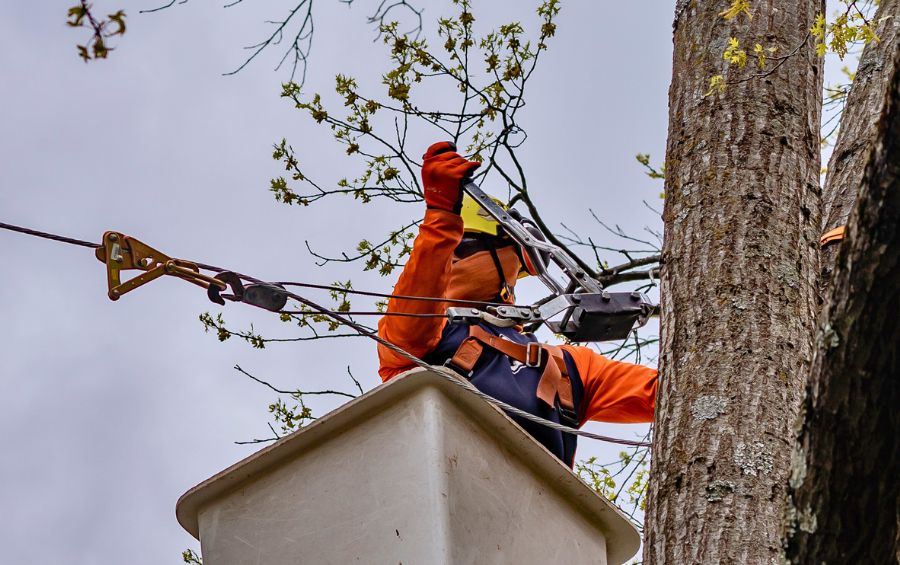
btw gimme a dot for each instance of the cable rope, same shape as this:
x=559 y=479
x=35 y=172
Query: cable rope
x=398 y=296
x=442 y=372
x=455 y=378
x=213 y=268
x=340 y=289
x=373 y=313
x=50 y=236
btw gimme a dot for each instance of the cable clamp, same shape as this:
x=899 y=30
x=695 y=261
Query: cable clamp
x=122 y=253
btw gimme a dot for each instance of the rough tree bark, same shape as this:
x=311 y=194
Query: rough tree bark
x=844 y=504
x=742 y=219
x=857 y=132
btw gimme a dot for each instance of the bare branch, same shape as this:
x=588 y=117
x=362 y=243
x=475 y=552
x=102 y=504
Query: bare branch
x=294 y=392
x=356 y=382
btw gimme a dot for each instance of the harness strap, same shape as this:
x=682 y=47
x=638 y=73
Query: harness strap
x=505 y=292
x=555 y=381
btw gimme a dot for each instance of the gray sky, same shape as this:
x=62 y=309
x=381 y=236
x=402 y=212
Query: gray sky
x=111 y=411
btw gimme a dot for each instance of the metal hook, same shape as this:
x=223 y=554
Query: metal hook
x=231 y=279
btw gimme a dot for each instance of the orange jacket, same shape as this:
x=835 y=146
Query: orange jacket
x=614 y=391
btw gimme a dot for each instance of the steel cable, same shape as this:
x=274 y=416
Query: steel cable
x=372 y=313
x=82 y=243
x=398 y=296
x=443 y=372
x=453 y=377
x=340 y=289
x=50 y=236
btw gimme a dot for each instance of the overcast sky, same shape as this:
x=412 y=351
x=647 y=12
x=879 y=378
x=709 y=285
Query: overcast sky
x=111 y=410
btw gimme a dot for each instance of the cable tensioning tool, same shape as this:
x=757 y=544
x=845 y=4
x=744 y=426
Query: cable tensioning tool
x=586 y=311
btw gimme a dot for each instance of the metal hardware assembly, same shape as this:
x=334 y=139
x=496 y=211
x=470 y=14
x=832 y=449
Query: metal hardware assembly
x=121 y=253
x=585 y=311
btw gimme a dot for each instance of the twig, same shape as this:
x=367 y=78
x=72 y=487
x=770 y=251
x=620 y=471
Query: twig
x=293 y=392
x=356 y=382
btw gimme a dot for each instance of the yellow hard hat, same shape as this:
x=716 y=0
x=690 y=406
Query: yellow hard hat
x=476 y=219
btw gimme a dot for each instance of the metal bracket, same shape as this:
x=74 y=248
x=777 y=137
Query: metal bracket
x=588 y=317
x=603 y=316
x=501 y=316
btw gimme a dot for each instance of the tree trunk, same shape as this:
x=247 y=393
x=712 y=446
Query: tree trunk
x=742 y=220
x=844 y=502
x=857 y=132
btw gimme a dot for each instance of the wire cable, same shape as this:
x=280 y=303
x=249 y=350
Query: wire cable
x=374 y=313
x=50 y=236
x=397 y=296
x=343 y=290
x=82 y=243
x=443 y=372
x=453 y=377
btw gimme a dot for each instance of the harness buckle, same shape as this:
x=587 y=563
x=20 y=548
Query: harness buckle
x=538 y=356
x=567 y=417
x=456 y=369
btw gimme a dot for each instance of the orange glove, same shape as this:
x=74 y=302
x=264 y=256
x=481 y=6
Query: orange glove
x=443 y=171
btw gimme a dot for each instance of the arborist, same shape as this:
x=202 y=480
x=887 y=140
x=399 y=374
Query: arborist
x=461 y=255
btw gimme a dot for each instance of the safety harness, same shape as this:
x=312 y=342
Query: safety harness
x=555 y=382
x=473 y=243
x=505 y=293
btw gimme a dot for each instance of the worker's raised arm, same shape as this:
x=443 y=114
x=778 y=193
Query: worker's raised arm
x=614 y=391
x=427 y=271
